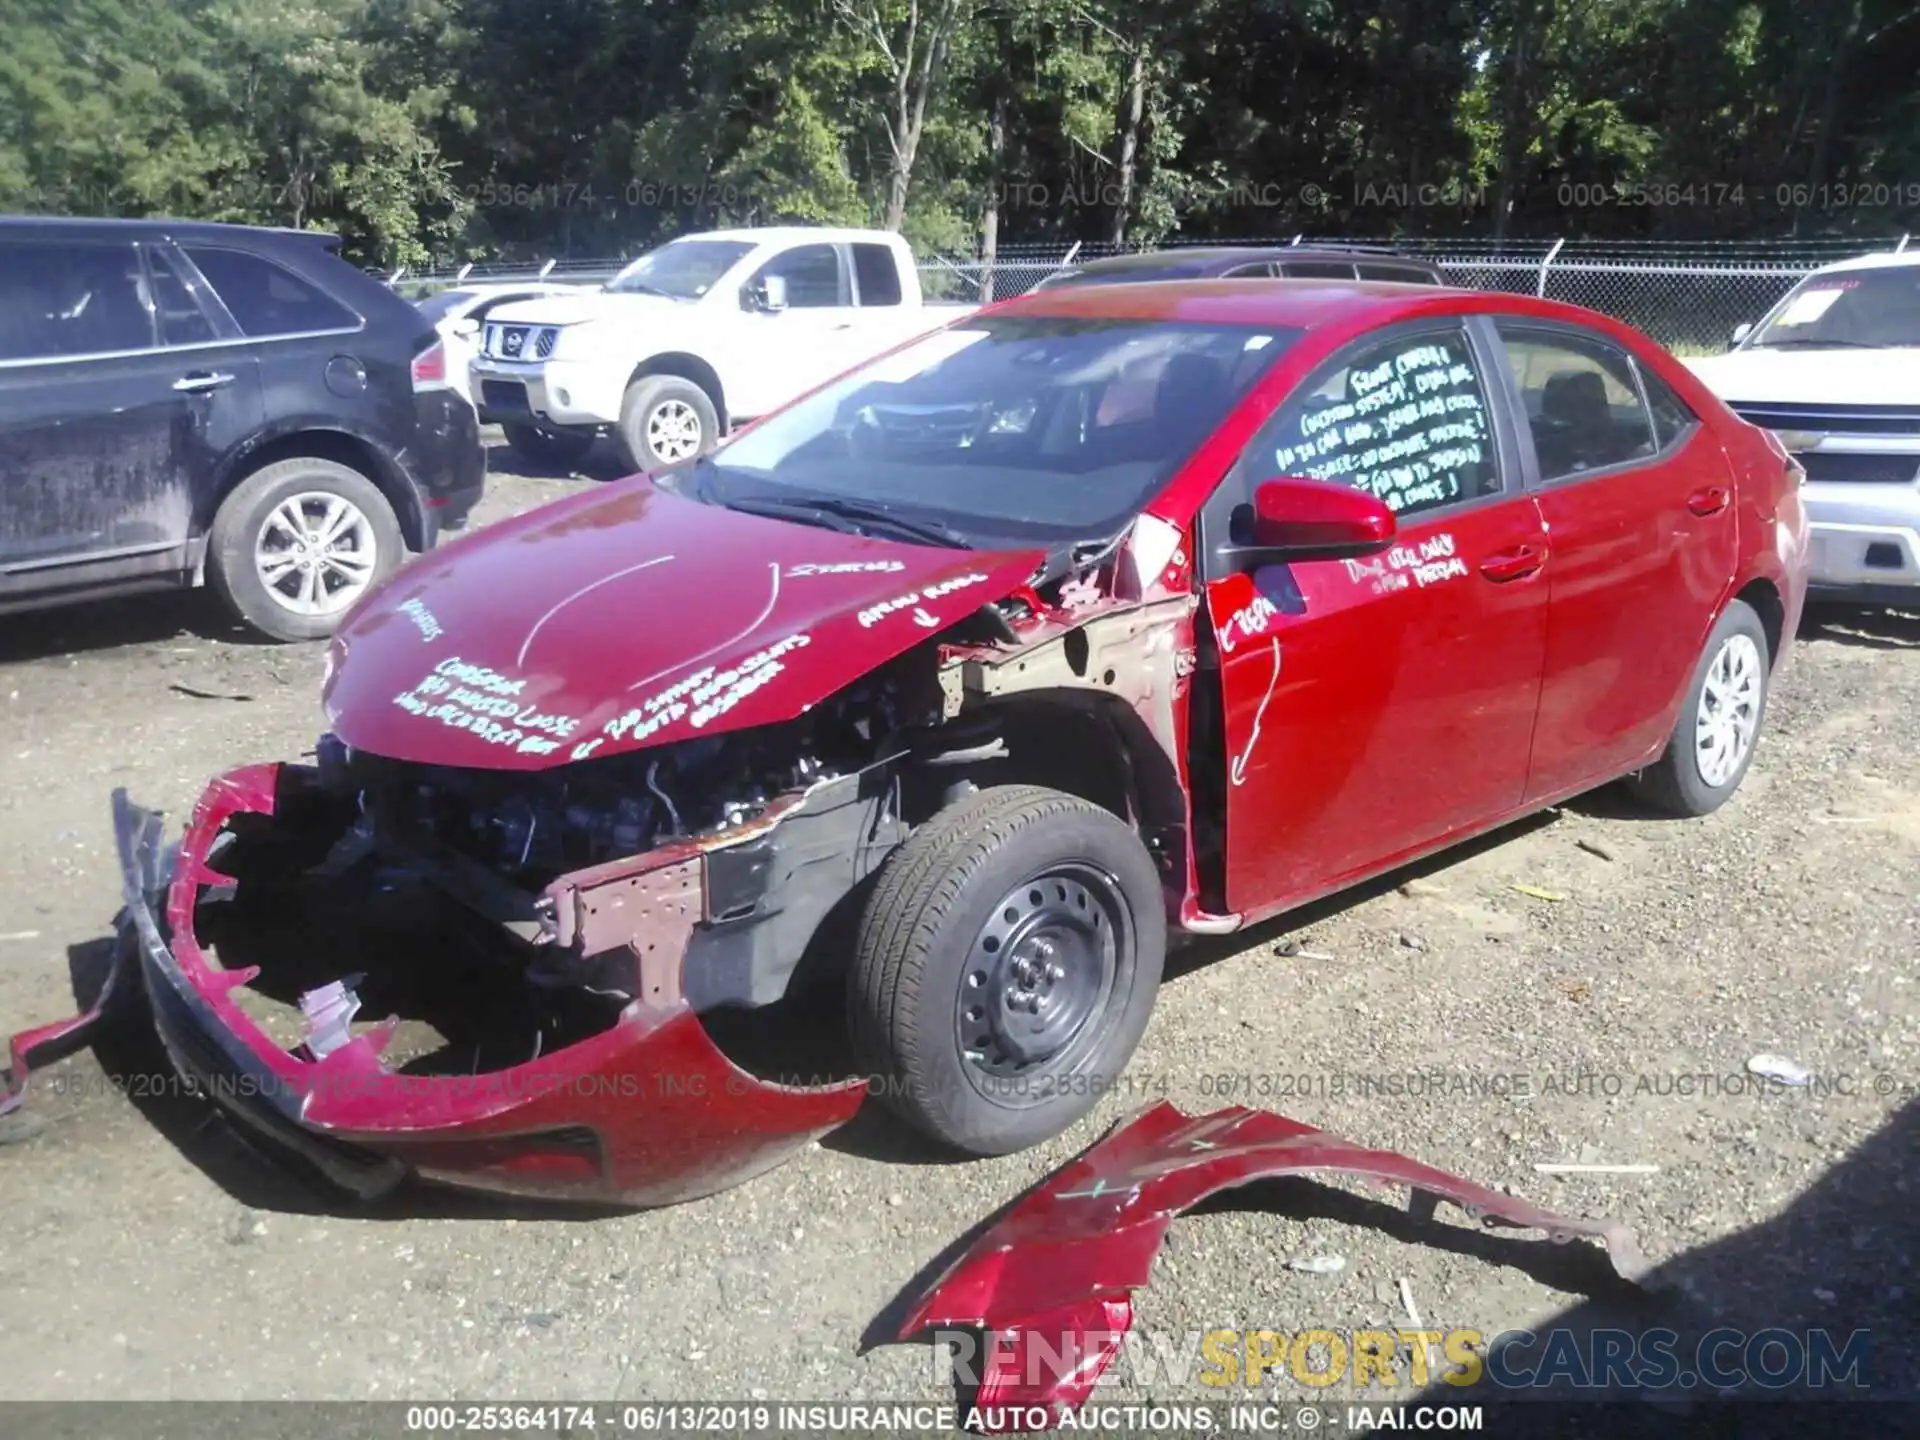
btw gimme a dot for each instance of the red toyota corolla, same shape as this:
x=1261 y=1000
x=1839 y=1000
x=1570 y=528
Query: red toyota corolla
x=958 y=686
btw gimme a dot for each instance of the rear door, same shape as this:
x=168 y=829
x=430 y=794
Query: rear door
x=1637 y=496
x=214 y=365
x=96 y=429
x=1372 y=707
x=314 y=362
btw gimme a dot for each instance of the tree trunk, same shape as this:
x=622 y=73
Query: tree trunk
x=1133 y=112
x=916 y=76
x=1516 y=113
x=1823 y=147
x=996 y=183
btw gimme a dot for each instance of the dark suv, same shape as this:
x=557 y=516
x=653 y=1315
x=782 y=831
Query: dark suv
x=184 y=401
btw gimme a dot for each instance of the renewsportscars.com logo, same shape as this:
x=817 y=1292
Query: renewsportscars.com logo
x=1369 y=1360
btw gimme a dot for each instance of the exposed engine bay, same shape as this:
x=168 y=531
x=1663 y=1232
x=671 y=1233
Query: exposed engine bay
x=528 y=829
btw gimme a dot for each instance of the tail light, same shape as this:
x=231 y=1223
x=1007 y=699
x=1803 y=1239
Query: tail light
x=430 y=367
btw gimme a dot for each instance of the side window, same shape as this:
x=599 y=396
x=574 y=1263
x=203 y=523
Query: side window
x=1671 y=416
x=266 y=300
x=1405 y=419
x=877 y=272
x=182 y=320
x=1259 y=269
x=67 y=300
x=1317 y=270
x=812 y=273
x=1582 y=401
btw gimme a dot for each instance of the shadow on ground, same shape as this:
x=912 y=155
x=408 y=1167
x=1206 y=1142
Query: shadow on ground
x=602 y=462
x=126 y=620
x=1868 y=627
x=1833 y=1270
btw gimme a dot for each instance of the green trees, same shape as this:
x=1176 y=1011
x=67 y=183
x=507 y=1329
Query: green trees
x=439 y=129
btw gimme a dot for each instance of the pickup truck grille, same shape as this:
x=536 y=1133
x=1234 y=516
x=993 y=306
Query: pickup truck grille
x=1832 y=419
x=519 y=342
x=1856 y=469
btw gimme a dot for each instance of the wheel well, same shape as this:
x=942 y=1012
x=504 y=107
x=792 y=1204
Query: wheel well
x=1093 y=746
x=687 y=367
x=342 y=449
x=1767 y=604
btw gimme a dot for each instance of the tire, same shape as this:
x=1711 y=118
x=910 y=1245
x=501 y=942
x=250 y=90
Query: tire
x=1695 y=775
x=257 y=520
x=665 y=420
x=1080 y=881
x=548 y=449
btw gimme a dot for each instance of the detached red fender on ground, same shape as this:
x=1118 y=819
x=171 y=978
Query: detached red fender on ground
x=1050 y=1284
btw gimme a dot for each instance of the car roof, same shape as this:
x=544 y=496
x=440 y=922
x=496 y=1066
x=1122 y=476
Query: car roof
x=1188 y=259
x=790 y=234
x=480 y=289
x=1288 y=304
x=1885 y=260
x=157 y=227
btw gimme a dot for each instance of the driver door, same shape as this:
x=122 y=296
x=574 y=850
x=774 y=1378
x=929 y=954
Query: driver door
x=1373 y=707
x=786 y=352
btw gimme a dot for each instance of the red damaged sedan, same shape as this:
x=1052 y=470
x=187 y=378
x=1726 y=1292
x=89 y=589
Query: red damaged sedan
x=958 y=687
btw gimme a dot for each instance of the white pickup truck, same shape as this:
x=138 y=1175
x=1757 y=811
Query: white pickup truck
x=696 y=338
x=1835 y=369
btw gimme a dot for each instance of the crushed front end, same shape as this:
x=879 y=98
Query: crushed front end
x=548 y=950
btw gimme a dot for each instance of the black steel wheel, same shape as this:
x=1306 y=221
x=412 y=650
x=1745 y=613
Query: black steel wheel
x=1006 y=965
x=1044 y=964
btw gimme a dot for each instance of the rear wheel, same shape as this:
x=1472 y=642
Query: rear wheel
x=665 y=420
x=297 y=543
x=549 y=449
x=1005 y=967
x=1719 y=725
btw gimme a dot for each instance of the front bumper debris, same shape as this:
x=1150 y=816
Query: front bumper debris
x=1051 y=1283
x=647 y=1112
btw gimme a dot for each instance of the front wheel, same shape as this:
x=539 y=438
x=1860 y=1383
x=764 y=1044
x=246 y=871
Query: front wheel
x=297 y=543
x=1719 y=726
x=1005 y=967
x=665 y=420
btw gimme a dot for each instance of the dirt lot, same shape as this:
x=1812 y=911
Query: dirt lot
x=149 y=1255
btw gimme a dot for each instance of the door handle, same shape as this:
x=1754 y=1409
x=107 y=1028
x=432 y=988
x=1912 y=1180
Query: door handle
x=201 y=381
x=1710 y=500
x=1515 y=564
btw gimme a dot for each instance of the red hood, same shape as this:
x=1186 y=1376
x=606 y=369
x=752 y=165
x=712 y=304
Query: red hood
x=632 y=616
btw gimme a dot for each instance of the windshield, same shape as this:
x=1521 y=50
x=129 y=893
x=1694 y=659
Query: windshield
x=1011 y=429
x=1857 y=308
x=437 y=307
x=684 y=269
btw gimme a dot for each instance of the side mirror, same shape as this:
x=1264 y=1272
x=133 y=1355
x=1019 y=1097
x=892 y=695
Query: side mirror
x=1296 y=518
x=1740 y=332
x=769 y=293
x=466 y=327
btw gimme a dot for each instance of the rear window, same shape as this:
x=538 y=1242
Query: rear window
x=437 y=307
x=266 y=299
x=1398 y=274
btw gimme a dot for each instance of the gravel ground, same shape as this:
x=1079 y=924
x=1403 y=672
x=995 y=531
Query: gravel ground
x=152 y=1257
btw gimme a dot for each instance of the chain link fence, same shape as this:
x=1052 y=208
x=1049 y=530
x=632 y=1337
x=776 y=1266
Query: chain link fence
x=1687 y=295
